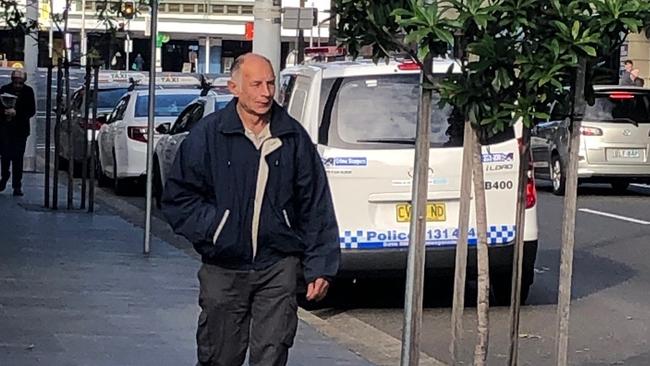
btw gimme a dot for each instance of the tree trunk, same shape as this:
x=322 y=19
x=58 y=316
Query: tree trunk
x=483 y=301
x=410 y=352
x=518 y=257
x=569 y=217
x=461 y=244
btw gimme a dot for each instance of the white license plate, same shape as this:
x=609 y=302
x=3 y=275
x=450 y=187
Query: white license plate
x=627 y=153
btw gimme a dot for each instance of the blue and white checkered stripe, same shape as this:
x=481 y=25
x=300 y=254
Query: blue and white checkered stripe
x=357 y=239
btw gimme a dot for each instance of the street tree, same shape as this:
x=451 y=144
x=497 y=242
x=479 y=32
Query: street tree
x=513 y=65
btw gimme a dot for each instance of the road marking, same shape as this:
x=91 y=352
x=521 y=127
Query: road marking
x=614 y=216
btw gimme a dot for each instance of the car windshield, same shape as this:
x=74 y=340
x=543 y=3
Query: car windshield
x=107 y=98
x=371 y=111
x=167 y=105
x=221 y=104
x=620 y=106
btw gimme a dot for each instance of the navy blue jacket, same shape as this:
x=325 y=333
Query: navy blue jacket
x=210 y=196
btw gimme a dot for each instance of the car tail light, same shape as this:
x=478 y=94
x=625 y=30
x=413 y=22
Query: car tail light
x=621 y=95
x=591 y=131
x=408 y=65
x=531 y=190
x=91 y=123
x=137 y=133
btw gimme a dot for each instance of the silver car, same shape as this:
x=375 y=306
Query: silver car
x=614 y=141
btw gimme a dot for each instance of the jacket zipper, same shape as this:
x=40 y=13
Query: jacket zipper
x=286 y=218
x=222 y=223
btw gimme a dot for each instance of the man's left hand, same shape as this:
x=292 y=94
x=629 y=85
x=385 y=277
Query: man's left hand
x=10 y=112
x=317 y=290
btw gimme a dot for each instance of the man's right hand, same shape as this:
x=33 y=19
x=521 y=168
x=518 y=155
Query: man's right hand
x=10 y=112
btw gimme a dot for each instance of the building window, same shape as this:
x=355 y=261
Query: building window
x=218 y=9
x=232 y=9
x=188 y=8
x=90 y=5
x=200 y=8
x=100 y=5
x=174 y=8
x=247 y=10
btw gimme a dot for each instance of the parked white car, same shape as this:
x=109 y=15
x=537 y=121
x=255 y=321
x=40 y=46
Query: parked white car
x=122 y=141
x=173 y=134
x=362 y=117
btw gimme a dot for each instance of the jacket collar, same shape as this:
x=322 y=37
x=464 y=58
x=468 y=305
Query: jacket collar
x=281 y=122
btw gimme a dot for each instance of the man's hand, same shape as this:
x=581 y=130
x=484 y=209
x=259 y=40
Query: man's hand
x=317 y=290
x=10 y=112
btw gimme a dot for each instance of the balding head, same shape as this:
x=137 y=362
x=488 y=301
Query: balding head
x=252 y=81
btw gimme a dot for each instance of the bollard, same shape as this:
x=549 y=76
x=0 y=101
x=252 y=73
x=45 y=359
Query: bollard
x=57 y=135
x=84 y=162
x=48 y=137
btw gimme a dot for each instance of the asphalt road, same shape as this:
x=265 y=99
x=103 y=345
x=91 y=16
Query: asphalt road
x=610 y=312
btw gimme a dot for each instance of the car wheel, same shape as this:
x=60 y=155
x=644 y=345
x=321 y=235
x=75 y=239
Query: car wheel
x=157 y=186
x=558 y=179
x=620 y=187
x=119 y=185
x=102 y=179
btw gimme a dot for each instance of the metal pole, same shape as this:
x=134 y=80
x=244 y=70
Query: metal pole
x=93 y=141
x=267 y=37
x=48 y=133
x=332 y=24
x=301 y=36
x=410 y=354
x=31 y=68
x=150 y=126
x=68 y=116
x=84 y=41
x=84 y=162
x=57 y=134
x=127 y=48
x=207 y=55
x=569 y=218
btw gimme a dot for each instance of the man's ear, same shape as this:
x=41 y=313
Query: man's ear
x=233 y=87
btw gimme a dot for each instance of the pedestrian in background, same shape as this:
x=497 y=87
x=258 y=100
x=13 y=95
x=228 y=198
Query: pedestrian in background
x=636 y=80
x=139 y=62
x=14 y=130
x=626 y=78
x=249 y=190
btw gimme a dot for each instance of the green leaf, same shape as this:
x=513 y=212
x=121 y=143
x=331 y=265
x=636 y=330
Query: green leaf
x=575 y=31
x=588 y=50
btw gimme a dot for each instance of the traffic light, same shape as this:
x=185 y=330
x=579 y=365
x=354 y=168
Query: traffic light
x=128 y=9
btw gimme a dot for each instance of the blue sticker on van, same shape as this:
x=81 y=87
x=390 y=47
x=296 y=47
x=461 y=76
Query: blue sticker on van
x=345 y=162
x=498 y=157
x=438 y=237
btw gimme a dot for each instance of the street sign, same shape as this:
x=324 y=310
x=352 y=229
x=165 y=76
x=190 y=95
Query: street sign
x=128 y=45
x=250 y=29
x=300 y=18
x=161 y=38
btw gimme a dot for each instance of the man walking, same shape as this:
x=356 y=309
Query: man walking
x=14 y=130
x=626 y=77
x=249 y=190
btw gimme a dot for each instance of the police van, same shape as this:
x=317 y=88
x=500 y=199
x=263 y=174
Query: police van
x=362 y=117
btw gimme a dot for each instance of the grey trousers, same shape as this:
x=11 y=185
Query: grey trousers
x=247 y=309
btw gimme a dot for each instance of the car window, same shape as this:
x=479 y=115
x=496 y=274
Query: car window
x=369 y=112
x=196 y=115
x=181 y=122
x=220 y=103
x=120 y=109
x=286 y=89
x=107 y=98
x=620 y=106
x=167 y=105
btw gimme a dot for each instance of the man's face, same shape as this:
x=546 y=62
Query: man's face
x=254 y=86
x=628 y=67
x=18 y=83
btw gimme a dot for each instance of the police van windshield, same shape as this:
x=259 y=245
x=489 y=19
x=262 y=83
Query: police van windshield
x=620 y=107
x=376 y=111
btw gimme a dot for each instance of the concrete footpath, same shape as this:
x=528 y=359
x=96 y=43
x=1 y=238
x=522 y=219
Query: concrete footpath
x=76 y=290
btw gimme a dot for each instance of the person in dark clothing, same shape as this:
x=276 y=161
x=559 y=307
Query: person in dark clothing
x=139 y=63
x=14 y=130
x=249 y=190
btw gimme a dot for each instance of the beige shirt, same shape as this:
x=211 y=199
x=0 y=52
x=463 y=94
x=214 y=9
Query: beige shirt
x=259 y=139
